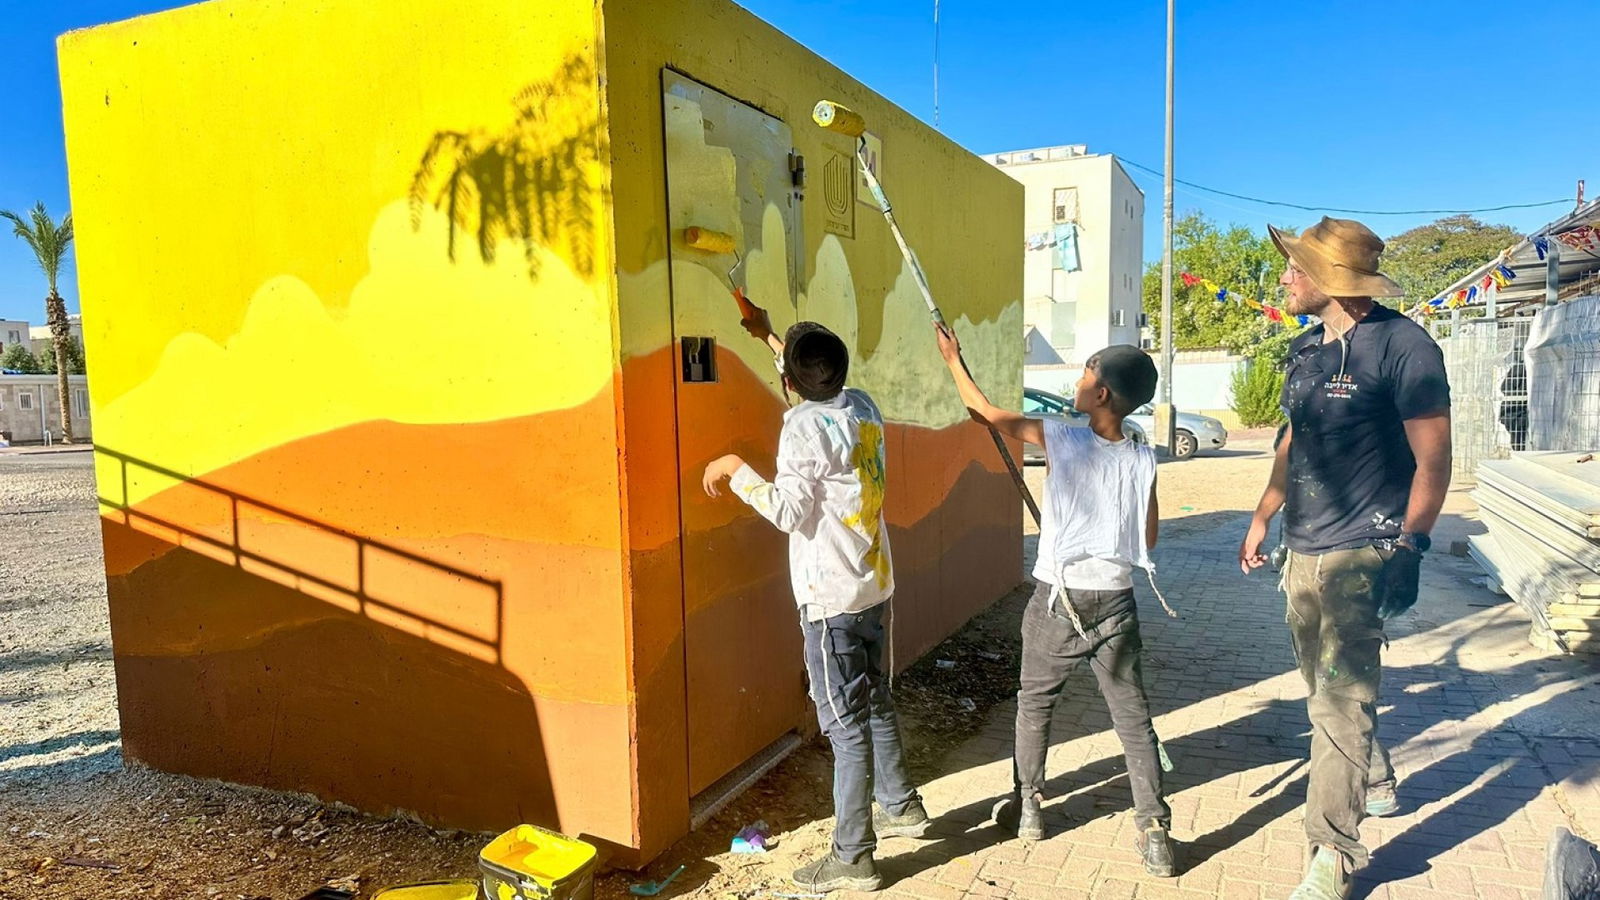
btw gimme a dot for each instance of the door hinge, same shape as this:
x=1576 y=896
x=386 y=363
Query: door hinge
x=797 y=169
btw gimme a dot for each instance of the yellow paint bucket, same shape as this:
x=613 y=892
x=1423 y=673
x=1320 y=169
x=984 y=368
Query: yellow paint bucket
x=461 y=889
x=532 y=863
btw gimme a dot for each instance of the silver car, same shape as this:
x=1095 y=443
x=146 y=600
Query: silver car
x=1195 y=432
x=1039 y=404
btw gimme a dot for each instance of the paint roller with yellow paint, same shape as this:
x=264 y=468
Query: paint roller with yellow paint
x=719 y=243
x=841 y=119
x=707 y=240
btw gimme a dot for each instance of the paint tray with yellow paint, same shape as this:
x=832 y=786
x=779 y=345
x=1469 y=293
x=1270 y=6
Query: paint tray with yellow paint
x=459 y=889
x=532 y=863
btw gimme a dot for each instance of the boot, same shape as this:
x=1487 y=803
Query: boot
x=833 y=874
x=1022 y=815
x=1327 y=879
x=1155 y=846
x=1382 y=800
x=913 y=823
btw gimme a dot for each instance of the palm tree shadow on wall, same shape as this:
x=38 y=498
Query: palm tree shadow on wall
x=533 y=182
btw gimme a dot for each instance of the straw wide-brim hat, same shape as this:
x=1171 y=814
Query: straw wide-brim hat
x=1340 y=256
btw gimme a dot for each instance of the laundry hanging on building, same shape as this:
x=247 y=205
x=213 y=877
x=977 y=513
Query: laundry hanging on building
x=1066 y=244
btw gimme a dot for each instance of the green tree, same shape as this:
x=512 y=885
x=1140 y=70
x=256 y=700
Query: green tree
x=1257 y=390
x=18 y=358
x=1429 y=258
x=49 y=241
x=75 y=361
x=1237 y=259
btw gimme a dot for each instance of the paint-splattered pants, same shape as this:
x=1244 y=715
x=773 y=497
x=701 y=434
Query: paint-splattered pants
x=856 y=711
x=1333 y=602
x=1051 y=649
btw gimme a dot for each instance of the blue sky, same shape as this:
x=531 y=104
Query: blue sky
x=1401 y=104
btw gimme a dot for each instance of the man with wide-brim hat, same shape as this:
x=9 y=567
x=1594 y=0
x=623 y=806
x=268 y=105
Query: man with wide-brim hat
x=1361 y=473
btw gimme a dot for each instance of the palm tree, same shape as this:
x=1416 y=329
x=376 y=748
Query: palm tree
x=49 y=241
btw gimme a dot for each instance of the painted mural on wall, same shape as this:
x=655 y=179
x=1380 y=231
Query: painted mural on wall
x=390 y=414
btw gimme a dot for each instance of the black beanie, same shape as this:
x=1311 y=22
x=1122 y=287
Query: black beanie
x=815 y=360
x=1128 y=372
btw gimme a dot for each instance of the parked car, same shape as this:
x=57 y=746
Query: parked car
x=1195 y=432
x=1045 y=405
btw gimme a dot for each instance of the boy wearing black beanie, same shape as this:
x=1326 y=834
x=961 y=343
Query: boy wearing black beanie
x=1100 y=521
x=827 y=496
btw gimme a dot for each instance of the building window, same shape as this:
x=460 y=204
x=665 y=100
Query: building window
x=1119 y=318
x=24 y=400
x=80 y=403
x=13 y=337
x=1065 y=203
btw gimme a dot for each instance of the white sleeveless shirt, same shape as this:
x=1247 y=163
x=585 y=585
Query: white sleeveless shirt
x=1096 y=505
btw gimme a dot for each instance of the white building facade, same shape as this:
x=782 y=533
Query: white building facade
x=30 y=408
x=13 y=332
x=1084 y=254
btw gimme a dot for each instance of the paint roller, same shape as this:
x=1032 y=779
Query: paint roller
x=843 y=120
x=719 y=243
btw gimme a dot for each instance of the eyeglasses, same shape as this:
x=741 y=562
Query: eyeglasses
x=1294 y=271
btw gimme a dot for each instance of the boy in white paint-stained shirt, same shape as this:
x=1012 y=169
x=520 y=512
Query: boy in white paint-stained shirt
x=827 y=496
x=1100 y=521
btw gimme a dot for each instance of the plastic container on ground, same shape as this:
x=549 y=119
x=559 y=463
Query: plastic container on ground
x=533 y=863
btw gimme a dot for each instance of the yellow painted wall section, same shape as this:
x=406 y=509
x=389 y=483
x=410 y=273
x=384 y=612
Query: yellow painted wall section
x=953 y=513
x=346 y=272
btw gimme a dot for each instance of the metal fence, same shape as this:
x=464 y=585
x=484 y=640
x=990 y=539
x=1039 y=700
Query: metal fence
x=1488 y=388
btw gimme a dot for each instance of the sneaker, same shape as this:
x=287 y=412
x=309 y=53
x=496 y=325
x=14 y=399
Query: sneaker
x=913 y=823
x=832 y=874
x=1328 y=878
x=1021 y=815
x=1155 y=845
x=1381 y=800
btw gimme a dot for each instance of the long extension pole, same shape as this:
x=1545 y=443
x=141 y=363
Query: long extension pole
x=843 y=120
x=938 y=317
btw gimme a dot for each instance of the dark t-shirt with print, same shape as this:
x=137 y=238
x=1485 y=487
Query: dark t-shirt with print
x=1350 y=465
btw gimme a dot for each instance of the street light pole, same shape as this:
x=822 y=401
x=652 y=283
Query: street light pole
x=1166 y=434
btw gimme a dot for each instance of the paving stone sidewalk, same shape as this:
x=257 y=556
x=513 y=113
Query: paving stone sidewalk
x=1495 y=743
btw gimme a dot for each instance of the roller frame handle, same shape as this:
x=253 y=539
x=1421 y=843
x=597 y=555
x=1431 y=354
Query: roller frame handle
x=938 y=317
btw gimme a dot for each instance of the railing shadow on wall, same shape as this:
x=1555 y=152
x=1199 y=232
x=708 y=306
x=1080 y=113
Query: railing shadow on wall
x=384 y=582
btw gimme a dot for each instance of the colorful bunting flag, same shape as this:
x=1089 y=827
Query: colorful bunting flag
x=1584 y=237
x=1223 y=295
